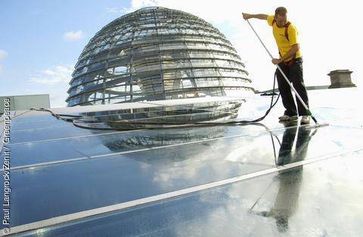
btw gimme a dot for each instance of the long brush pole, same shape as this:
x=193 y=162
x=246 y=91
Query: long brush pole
x=283 y=74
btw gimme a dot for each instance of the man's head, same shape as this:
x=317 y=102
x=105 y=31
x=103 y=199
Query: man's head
x=281 y=16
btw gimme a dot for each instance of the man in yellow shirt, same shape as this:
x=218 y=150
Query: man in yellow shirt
x=290 y=61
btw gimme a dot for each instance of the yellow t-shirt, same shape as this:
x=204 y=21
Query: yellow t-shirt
x=283 y=44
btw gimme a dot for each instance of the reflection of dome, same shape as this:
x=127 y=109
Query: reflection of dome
x=156 y=53
x=166 y=137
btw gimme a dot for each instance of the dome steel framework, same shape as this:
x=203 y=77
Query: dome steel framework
x=153 y=54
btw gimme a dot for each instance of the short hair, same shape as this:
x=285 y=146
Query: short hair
x=280 y=11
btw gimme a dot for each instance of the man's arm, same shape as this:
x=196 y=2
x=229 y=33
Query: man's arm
x=291 y=53
x=247 y=16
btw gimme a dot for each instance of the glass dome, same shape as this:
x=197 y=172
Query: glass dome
x=156 y=53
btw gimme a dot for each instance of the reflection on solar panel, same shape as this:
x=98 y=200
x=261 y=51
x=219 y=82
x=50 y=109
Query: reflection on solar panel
x=256 y=180
x=164 y=113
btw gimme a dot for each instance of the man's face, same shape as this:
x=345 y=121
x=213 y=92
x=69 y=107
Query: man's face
x=281 y=20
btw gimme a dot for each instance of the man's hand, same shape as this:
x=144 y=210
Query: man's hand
x=276 y=61
x=246 y=16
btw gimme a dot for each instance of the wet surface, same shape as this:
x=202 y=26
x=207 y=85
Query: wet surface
x=59 y=169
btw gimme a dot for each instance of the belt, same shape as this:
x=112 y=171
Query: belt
x=292 y=61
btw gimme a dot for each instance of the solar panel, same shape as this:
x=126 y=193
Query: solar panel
x=256 y=180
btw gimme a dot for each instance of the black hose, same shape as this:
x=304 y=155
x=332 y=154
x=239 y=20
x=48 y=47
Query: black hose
x=74 y=118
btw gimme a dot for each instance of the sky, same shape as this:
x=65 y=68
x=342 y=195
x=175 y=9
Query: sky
x=40 y=40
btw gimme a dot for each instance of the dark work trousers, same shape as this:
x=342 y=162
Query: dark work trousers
x=294 y=72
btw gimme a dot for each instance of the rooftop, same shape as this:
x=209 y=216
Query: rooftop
x=256 y=180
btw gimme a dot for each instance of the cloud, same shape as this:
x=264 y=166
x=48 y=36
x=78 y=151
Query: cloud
x=53 y=76
x=117 y=10
x=53 y=81
x=113 y=10
x=135 y=5
x=3 y=54
x=73 y=35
